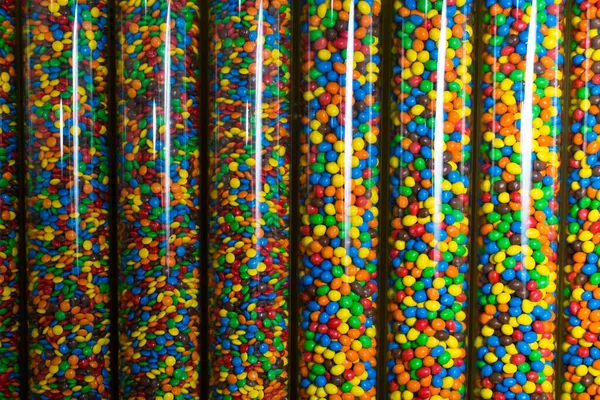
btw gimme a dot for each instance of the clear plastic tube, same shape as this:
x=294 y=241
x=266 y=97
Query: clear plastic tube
x=581 y=356
x=522 y=91
x=249 y=201
x=67 y=201
x=10 y=333
x=158 y=172
x=430 y=189
x=339 y=195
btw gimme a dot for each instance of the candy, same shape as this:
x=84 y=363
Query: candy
x=339 y=198
x=518 y=205
x=158 y=171
x=430 y=185
x=249 y=200
x=10 y=335
x=67 y=198
x=581 y=347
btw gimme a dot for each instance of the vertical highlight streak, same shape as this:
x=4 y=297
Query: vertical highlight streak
x=438 y=146
x=527 y=124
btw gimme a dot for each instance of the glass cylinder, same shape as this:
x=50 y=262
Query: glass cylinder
x=339 y=198
x=249 y=234
x=67 y=198
x=10 y=333
x=581 y=355
x=430 y=166
x=158 y=170
x=522 y=92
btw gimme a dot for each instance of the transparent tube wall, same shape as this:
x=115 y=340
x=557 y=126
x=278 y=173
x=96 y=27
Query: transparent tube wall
x=159 y=188
x=582 y=279
x=432 y=88
x=522 y=87
x=67 y=198
x=10 y=334
x=249 y=199
x=339 y=198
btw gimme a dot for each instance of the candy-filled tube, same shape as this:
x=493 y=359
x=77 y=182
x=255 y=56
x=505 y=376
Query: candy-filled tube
x=581 y=347
x=67 y=198
x=249 y=200
x=522 y=87
x=339 y=198
x=430 y=187
x=158 y=172
x=10 y=334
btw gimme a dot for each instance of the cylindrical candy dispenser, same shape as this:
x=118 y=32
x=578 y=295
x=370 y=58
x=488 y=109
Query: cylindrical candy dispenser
x=10 y=333
x=249 y=199
x=430 y=188
x=339 y=198
x=522 y=88
x=158 y=172
x=67 y=198
x=581 y=347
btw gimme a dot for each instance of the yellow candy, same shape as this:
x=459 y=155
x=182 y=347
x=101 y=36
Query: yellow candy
x=57 y=46
x=364 y=7
x=170 y=361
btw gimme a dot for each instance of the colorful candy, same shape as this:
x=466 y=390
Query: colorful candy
x=518 y=206
x=9 y=203
x=67 y=198
x=581 y=346
x=158 y=120
x=339 y=198
x=249 y=200
x=430 y=184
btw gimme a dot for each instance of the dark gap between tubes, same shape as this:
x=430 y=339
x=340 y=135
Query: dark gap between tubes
x=473 y=326
x=295 y=105
x=386 y=35
x=563 y=204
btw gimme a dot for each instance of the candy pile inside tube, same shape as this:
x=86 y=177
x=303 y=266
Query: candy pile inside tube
x=430 y=184
x=339 y=198
x=249 y=200
x=159 y=189
x=522 y=85
x=67 y=198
